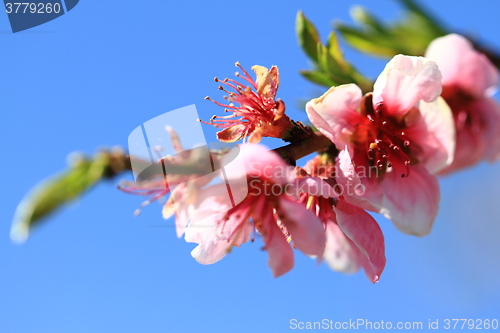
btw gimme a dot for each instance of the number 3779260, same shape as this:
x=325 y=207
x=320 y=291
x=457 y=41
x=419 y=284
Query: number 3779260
x=32 y=7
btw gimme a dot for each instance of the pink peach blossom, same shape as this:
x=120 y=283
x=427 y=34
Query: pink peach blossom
x=399 y=135
x=275 y=214
x=469 y=81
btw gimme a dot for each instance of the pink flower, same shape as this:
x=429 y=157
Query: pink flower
x=397 y=138
x=258 y=113
x=182 y=188
x=270 y=208
x=469 y=81
x=353 y=238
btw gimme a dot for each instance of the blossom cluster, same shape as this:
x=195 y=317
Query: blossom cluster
x=426 y=116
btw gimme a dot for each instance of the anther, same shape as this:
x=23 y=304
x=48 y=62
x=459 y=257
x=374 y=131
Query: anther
x=216 y=79
x=237 y=64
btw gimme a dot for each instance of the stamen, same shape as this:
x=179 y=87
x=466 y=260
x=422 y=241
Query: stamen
x=252 y=107
x=148 y=202
x=384 y=137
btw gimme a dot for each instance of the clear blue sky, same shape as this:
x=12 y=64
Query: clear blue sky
x=88 y=78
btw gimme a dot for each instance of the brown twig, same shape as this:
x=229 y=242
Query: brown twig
x=290 y=153
x=296 y=150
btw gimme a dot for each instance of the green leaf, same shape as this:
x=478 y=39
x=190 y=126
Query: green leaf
x=431 y=22
x=331 y=67
x=410 y=36
x=339 y=73
x=334 y=50
x=371 y=44
x=363 y=17
x=318 y=78
x=57 y=191
x=307 y=36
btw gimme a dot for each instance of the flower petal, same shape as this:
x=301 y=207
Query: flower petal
x=306 y=229
x=347 y=175
x=234 y=133
x=177 y=204
x=334 y=114
x=267 y=80
x=365 y=194
x=404 y=81
x=411 y=203
x=258 y=161
x=490 y=114
x=279 y=251
x=480 y=141
x=365 y=232
x=211 y=228
x=215 y=234
x=432 y=134
x=462 y=66
x=211 y=247
x=256 y=136
x=339 y=254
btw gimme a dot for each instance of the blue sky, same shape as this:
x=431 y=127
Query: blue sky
x=88 y=78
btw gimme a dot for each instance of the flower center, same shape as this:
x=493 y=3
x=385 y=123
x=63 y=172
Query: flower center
x=261 y=200
x=387 y=146
x=461 y=105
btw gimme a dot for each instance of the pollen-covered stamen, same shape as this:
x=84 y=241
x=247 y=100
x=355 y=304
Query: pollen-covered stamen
x=320 y=206
x=227 y=106
x=241 y=213
x=386 y=141
x=253 y=106
x=247 y=76
x=150 y=188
